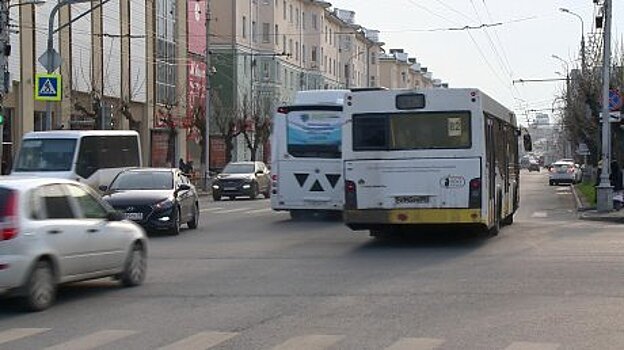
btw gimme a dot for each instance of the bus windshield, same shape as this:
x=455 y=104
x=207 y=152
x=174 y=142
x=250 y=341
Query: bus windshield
x=411 y=131
x=46 y=155
x=314 y=134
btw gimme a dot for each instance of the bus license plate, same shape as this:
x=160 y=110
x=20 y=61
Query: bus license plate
x=134 y=216
x=411 y=199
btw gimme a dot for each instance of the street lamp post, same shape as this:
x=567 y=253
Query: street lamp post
x=605 y=190
x=565 y=10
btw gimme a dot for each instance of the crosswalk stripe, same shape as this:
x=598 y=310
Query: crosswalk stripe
x=257 y=211
x=18 y=333
x=416 y=344
x=92 y=340
x=532 y=346
x=210 y=209
x=309 y=342
x=231 y=210
x=200 y=341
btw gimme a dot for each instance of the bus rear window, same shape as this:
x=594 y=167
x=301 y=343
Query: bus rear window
x=46 y=155
x=314 y=134
x=411 y=131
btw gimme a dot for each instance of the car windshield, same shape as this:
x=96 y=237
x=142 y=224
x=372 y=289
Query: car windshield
x=238 y=168
x=46 y=155
x=142 y=180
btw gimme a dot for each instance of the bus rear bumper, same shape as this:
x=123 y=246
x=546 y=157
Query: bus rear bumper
x=370 y=218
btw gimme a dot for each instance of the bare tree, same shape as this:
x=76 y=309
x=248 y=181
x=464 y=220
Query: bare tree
x=228 y=121
x=257 y=122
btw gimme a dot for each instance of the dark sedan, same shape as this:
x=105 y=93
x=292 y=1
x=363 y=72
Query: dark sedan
x=158 y=199
x=248 y=179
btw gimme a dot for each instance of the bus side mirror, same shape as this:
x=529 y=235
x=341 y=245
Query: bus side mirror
x=528 y=144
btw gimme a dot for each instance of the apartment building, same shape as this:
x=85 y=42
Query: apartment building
x=399 y=71
x=264 y=51
x=127 y=64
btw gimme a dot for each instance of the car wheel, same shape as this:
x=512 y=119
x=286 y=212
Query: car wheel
x=136 y=267
x=551 y=183
x=175 y=230
x=193 y=223
x=216 y=197
x=40 y=287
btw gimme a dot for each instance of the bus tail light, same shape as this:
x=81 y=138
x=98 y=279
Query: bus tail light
x=8 y=218
x=474 y=197
x=350 y=195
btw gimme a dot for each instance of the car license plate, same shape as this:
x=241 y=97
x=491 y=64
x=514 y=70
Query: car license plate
x=229 y=189
x=134 y=216
x=411 y=199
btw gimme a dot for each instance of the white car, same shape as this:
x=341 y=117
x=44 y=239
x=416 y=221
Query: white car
x=55 y=231
x=564 y=172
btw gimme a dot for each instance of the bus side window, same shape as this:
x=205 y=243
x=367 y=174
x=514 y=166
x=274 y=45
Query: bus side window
x=87 y=157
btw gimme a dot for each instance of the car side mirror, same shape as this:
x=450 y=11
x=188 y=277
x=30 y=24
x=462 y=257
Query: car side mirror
x=103 y=188
x=528 y=144
x=259 y=172
x=114 y=216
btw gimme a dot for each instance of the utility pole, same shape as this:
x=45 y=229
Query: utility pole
x=604 y=189
x=207 y=97
x=5 y=51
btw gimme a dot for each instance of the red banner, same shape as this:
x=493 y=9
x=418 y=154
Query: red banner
x=197 y=26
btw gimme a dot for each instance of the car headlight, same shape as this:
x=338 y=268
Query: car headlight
x=247 y=186
x=215 y=186
x=162 y=205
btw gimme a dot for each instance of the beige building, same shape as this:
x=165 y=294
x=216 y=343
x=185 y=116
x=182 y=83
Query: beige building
x=267 y=50
x=124 y=66
x=399 y=71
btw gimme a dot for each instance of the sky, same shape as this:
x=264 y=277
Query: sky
x=491 y=58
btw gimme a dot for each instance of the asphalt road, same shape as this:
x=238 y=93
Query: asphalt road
x=250 y=278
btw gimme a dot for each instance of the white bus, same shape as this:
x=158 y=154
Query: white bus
x=306 y=163
x=93 y=157
x=435 y=157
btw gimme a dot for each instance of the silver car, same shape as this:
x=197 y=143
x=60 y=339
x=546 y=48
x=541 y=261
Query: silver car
x=58 y=231
x=564 y=172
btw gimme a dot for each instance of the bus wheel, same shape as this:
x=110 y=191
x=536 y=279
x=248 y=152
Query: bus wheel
x=297 y=214
x=509 y=220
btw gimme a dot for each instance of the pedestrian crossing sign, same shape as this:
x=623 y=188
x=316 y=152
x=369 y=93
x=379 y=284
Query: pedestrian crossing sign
x=47 y=87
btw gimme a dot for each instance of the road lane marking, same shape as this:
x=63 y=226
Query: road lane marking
x=416 y=344
x=92 y=340
x=532 y=346
x=232 y=210
x=19 y=333
x=309 y=342
x=264 y=210
x=200 y=341
x=539 y=214
x=210 y=209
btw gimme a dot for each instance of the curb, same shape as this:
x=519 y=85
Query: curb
x=577 y=200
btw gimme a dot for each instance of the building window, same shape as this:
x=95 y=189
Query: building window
x=314 y=54
x=297 y=50
x=254 y=32
x=297 y=18
x=314 y=21
x=303 y=53
x=290 y=47
x=166 y=65
x=373 y=58
x=290 y=12
x=266 y=32
x=303 y=20
x=284 y=9
x=244 y=27
x=330 y=36
x=276 y=35
x=284 y=43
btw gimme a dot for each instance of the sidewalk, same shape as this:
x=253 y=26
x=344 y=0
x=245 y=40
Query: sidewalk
x=588 y=212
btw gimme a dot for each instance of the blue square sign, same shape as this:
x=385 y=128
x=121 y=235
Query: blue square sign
x=47 y=87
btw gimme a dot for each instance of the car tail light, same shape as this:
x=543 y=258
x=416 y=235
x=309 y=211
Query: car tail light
x=8 y=225
x=350 y=195
x=474 y=196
